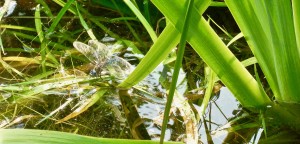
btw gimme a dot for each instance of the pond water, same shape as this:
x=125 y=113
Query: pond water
x=221 y=110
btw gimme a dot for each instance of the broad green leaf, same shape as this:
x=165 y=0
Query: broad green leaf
x=268 y=27
x=296 y=15
x=259 y=39
x=17 y=136
x=215 y=53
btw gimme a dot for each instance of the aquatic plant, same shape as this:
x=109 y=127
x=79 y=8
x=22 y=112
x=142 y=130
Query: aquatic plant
x=271 y=30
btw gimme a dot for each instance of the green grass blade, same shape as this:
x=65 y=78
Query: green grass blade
x=59 y=16
x=62 y=106
x=85 y=26
x=9 y=68
x=211 y=77
x=89 y=16
x=44 y=51
x=45 y=7
x=142 y=19
x=38 y=23
x=147 y=10
x=41 y=76
x=238 y=36
x=35 y=39
x=62 y=3
x=39 y=30
x=132 y=30
x=83 y=107
x=178 y=64
x=1 y=47
x=249 y=61
x=17 y=27
x=52 y=84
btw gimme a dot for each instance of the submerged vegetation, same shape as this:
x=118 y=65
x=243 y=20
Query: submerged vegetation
x=111 y=69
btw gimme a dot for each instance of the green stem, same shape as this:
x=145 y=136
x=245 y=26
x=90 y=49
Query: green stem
x=178 y=64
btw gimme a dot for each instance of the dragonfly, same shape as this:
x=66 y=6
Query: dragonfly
x=104 y=59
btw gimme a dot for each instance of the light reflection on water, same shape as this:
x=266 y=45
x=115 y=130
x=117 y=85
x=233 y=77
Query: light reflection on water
x=226 y=103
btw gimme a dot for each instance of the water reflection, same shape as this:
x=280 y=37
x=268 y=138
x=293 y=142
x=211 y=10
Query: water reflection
x=218 y=113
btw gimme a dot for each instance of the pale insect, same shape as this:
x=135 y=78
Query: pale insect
x=103 y=58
